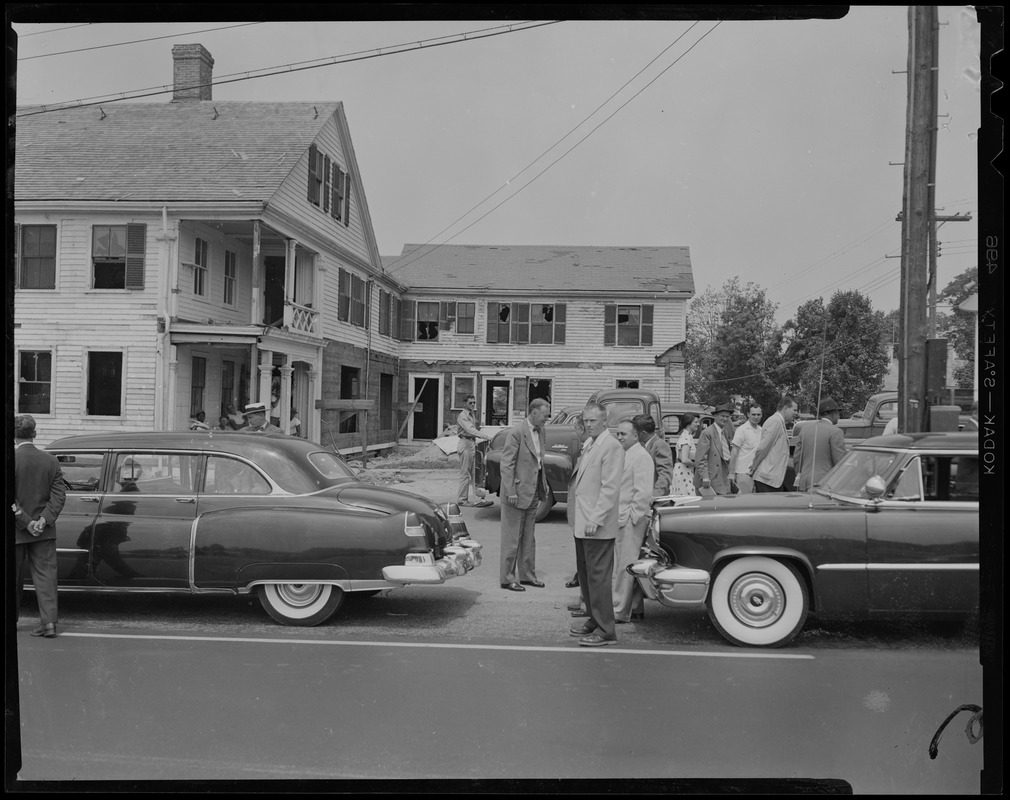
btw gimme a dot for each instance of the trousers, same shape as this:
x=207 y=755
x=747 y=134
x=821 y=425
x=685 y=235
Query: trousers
x=38 y=559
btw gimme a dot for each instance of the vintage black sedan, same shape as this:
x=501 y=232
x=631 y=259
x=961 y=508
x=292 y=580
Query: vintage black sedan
x=237 y=513
x=891 y=530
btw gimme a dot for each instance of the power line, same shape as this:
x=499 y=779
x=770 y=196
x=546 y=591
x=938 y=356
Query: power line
x=54 y=30
x=534 y=161
x=135 y=41
x=467 y=36
x=562 y=156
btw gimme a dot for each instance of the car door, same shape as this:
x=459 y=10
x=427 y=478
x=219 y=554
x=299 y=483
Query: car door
x=922 y=538
x=82 y=474
x=142 y=536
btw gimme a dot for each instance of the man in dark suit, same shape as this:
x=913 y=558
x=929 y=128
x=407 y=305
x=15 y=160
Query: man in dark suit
x=711 y=470
x=594 y=496
x=39 y=494
x=662 y=454
x=819 y=446
x=523 y=485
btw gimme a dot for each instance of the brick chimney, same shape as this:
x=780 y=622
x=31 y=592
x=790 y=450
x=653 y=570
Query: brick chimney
x=193 y=70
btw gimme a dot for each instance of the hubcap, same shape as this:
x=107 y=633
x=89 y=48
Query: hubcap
x=757 y=600
x=299 y=594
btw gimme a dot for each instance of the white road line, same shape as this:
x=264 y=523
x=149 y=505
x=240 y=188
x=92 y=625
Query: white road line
x=432 y=645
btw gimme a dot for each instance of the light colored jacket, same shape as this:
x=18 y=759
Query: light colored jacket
x=662 y=455
x=773 y=452
x=819 y=447
x=594 y=494
x=636 y=485
x=520 y=466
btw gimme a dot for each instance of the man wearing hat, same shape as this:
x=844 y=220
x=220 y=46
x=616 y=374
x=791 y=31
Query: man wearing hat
x=711 y=463
x=256 y=417
x=819 y=447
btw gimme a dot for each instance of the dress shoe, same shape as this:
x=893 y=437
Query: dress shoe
x=48 y=630
x=575 y=606
x=639 y=616
x=595 y=640
x=513 y=587
x=581 y=630
x=572 y=583
x=580 y=613
x=538 y=584
x=622 y=621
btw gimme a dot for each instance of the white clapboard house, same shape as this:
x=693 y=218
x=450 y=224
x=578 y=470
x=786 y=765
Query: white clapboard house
x=513 y=323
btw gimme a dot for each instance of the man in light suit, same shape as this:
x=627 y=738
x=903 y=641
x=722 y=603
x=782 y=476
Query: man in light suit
x=711 y=470
x=820 y=445
x=593 y=509
x=523 y=485
x=39 y=494
x=633 y=517
x=662 y=454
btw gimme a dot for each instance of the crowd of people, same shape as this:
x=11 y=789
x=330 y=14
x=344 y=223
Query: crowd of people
x=254 y=418
x=618 y=474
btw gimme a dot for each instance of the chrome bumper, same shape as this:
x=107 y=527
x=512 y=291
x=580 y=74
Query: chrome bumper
x=673 y=586
x=462 y=556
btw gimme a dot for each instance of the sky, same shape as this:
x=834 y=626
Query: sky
x=772 y=148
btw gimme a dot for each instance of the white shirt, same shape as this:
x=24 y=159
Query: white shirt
x=746 y=439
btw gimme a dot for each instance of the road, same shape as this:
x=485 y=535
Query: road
x=470 y=682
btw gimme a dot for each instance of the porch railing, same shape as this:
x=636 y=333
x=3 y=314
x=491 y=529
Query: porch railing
x=301 y=318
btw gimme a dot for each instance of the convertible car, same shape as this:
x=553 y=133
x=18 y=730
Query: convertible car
x=239 y=513
x=891 y=530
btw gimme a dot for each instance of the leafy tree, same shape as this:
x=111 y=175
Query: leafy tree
x=747 y=349
x=849 y=339
x=958 y=327
x=732 y=345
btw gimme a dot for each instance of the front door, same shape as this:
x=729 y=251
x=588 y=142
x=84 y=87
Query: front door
x=82 y=473
x=497 y=399
x=426 y=414
x=273 y=291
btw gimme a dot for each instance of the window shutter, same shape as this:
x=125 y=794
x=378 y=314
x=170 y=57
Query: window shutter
x=344 y=296
x=313 y=151
x=647 y=326
x=347 y=200
x=492 y=323
x=610 y=324
x=136 y=245
x=394 y=316
x=559 y=323
x=514 y=328
x=17 y=254
x=520 y=395
x=338 y=183
x=368 y=303
x=326 y=183
x=407 y=321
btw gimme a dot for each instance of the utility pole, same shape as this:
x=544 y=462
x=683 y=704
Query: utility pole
x=917 y=213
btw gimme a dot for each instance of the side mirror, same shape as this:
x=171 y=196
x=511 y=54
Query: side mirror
x=875 y=487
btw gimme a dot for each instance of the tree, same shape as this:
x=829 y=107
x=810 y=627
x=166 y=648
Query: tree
x=959 y=326
x=747 y=349
x=838 y=350
x=732 y=345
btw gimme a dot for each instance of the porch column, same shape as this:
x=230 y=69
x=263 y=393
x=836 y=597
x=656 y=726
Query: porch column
x=266 y=367
x=285 y=404
x=173 y=385
x=256 y=306
x=289 y=279
x=310 y=425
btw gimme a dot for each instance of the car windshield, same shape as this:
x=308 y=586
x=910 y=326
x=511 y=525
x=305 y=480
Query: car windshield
x=852 y=473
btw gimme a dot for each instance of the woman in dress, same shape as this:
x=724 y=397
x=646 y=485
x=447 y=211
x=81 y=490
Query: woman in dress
x=683 y=470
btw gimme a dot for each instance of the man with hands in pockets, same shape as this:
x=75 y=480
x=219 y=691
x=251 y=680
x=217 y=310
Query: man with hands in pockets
x=593 y=508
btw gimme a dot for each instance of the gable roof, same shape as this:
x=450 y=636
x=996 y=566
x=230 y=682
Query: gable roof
x=543 y=268
x=193 y=151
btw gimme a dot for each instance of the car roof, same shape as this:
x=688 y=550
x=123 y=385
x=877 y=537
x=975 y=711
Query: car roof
x=926 y=440
x=244 y=444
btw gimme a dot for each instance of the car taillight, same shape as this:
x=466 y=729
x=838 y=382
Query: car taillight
x=413 y=527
